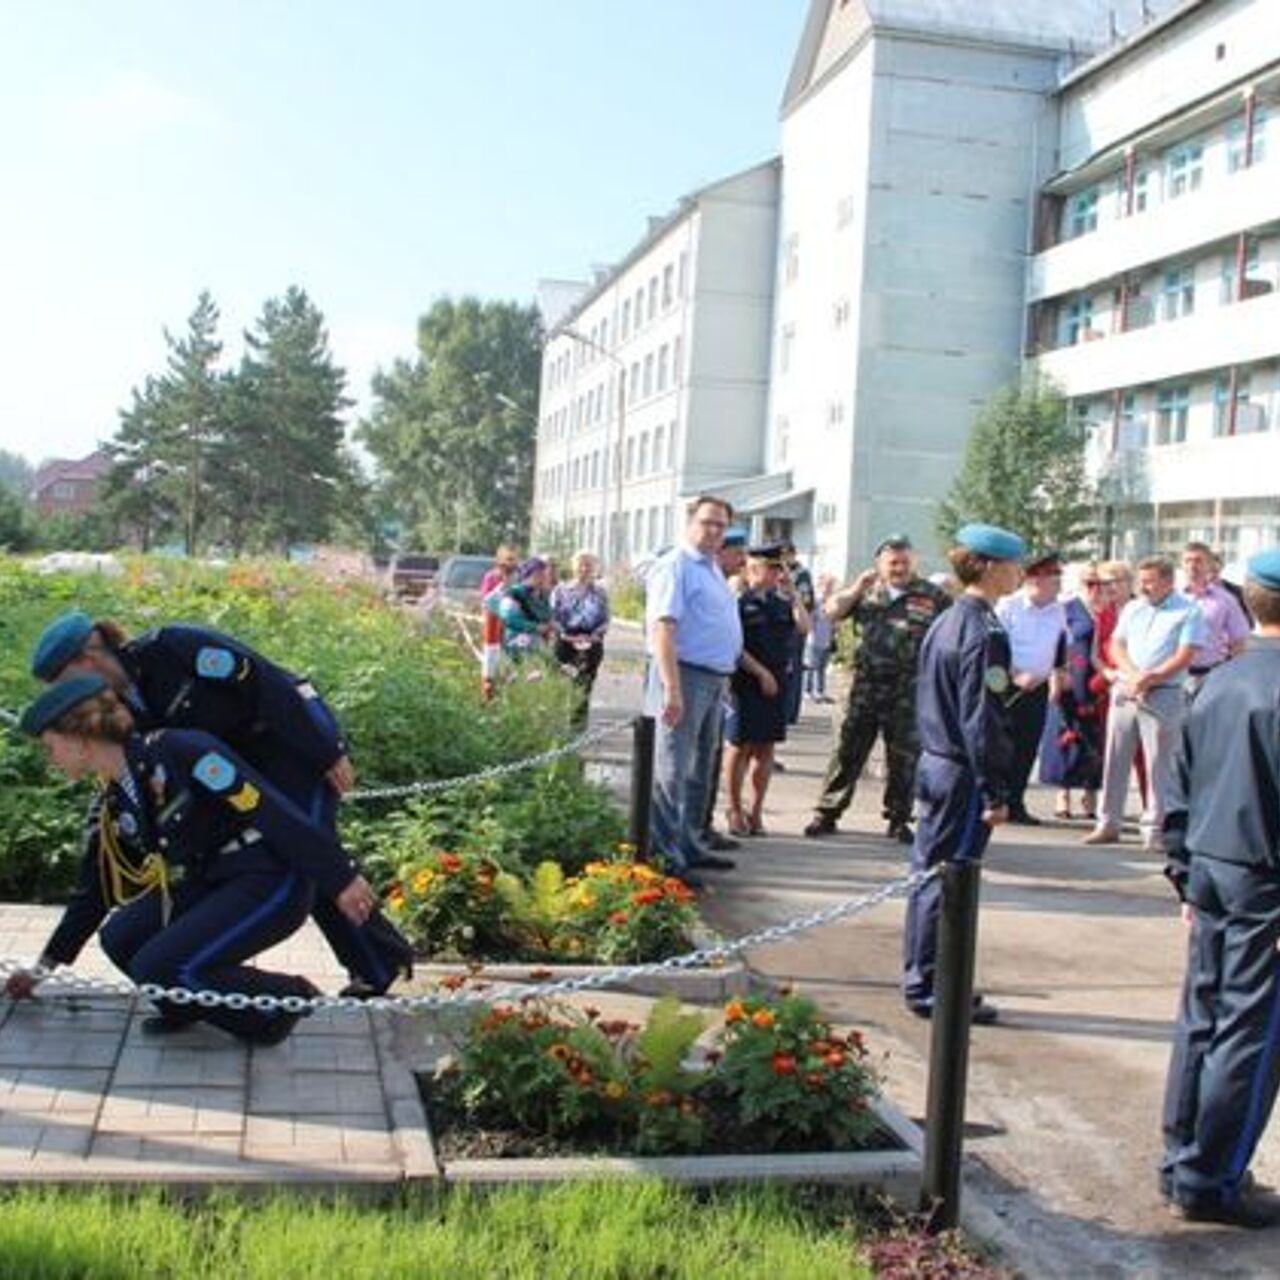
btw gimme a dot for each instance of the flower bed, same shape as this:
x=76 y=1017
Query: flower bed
x=462 y=906
x=542 y=1078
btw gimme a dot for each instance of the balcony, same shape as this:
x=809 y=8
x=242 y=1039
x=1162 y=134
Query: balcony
x=1239 y=466
x=1169 y=229
x=1242 y=333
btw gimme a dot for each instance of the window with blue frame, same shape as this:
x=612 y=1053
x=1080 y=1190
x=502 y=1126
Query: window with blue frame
x=1173 y=407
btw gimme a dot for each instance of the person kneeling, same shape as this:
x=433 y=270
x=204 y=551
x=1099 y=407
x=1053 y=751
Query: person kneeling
x=193 y=859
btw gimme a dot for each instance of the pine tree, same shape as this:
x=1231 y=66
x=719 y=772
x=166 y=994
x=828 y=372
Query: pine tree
x=1024 y=469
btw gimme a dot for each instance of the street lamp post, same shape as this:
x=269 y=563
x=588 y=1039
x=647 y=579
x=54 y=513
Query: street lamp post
x=612 y=539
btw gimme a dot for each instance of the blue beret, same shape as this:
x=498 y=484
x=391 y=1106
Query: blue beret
x=735 y=536
x=1264 y=568
x=59 y=642
x=58 y=699
x=991 y=541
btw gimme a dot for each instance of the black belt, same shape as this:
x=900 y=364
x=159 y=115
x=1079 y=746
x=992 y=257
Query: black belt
x=706 y=671
x=1200 y=671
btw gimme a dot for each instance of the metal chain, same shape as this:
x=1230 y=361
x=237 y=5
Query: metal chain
x=493 y=771
x=61 y=982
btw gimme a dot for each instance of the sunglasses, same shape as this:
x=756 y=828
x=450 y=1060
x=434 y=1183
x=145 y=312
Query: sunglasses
x=1093 y=582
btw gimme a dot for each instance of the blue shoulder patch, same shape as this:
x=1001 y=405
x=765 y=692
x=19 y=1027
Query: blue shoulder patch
x=215 y=663
x=213 y=771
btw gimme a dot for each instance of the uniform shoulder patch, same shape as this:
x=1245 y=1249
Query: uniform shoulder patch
x=246 y=799
x=214 y=772
x=997 y=679
x=215 y=663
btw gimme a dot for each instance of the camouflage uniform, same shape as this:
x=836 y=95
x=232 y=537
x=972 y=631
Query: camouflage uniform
x=882 y=697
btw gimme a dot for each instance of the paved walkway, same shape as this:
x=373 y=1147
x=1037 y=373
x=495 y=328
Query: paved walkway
x=85 y=1096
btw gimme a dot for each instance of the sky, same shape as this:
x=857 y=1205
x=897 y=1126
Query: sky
x=378 y=153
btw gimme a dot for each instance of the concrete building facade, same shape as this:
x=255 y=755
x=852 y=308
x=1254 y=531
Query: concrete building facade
x=654 y=381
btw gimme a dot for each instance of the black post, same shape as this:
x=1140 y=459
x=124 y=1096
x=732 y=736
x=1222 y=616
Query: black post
x=949 y=1044
x=642 y=738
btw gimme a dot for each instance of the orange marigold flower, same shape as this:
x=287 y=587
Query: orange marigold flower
x=734 y=1011
x=644 y=897
x=834 y=1059
x=450 y=862
x=560 y=1051
x=784 y=1064
x=762 y=1018
x=452 y=981
x=618 y=917
x=395 y=896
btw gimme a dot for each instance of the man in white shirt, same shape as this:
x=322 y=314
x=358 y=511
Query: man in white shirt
x=1036 y=622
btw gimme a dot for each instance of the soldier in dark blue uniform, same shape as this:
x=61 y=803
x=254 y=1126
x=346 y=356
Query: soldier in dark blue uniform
x=1222 y=842
x=194 y=677
x=209 y=863
x=966 y=749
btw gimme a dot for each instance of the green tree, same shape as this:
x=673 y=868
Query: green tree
x=161 y=450
x=285 y=472
x=16 y=533
x=453 y=429
x=1024 y=469
x=16 y=473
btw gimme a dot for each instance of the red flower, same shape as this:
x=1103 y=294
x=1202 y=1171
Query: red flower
x=784 y=1064
x=450 y=862
x=643 y=897
x=618 y=917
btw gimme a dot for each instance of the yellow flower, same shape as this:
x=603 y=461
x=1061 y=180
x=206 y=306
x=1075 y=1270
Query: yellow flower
x=615 y=1089
x=422 y=881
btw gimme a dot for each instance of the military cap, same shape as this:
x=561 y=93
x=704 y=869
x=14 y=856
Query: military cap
x=57 y=700
x=770 y=551
x=735 y=536
x=1045 y=561
x=1264 y=568
x=991 y=541
x=59 y=642
x=894 y=542
x=530 y=568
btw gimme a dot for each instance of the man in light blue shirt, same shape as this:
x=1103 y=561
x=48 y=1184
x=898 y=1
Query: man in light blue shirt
x=695 y=643
x=1154 y=643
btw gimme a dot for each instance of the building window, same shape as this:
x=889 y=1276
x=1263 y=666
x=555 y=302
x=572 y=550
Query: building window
x=835 y=413
x=1239 y=154
x=668 y=285
x=655 y=516
x=1077 y=321
x=682 y=274
x=791 y=258
x=786 y=346
x=635 y=382
x=626 y=318
x=844 y=212
x=642 y=466
x=826 y=514
x=631 y=458
x=1173 y=404
x=1082 y=213
x=1179 y=292
x=648 y=375
x=840 y=314
x=677 y=350
x=659 y=445
x=637 y=536
x=1254 y=284
x=671 y=448
x=653 y=297
x=664 y=366
x=666 y=527
x=640 y=309
x=1183 y=169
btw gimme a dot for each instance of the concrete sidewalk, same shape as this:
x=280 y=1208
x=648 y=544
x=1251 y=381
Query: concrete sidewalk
x=1082 y=950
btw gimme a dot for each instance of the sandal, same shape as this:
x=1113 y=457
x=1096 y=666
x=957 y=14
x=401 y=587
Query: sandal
x=756 y=825
x=736 y=824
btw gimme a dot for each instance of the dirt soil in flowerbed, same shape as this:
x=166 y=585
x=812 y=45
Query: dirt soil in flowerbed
x=458 y=1136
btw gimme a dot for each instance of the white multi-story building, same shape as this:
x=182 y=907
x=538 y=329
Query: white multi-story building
x=912 y=144
x=1154 y=298
x=654 y=381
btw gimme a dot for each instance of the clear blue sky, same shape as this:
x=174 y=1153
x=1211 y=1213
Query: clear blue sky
x=378 y=153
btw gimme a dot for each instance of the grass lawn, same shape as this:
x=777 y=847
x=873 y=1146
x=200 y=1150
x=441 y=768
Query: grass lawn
x=583 y=1231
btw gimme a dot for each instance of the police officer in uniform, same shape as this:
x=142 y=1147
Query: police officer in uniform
x=892 y=608
x=966 y=759
x=210 y=864
x=195 y=677
x=1222 y=842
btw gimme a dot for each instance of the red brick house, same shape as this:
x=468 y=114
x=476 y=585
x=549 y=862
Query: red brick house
x=65 y=487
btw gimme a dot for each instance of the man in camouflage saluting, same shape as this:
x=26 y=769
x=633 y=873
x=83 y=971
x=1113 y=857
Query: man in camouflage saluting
x=892 y=608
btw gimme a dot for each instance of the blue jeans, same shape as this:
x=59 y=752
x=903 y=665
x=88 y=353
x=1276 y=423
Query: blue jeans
x=684 y=757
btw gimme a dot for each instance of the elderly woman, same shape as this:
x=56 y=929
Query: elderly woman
x=197 y=860
x=580 y=613
x=773 y=616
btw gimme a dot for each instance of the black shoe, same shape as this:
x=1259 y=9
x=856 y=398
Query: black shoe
x=820 y=825
x=719 y=843
x=711 y=862
x=1022 y=818
x=901 y=832
x=282 y=1023
x=982 y=1015
x=359 y=989
x=1252 y=1212
x=164 y=1024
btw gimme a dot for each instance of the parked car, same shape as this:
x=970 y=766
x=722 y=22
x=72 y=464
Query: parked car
x=458 y=582
x=412 y=576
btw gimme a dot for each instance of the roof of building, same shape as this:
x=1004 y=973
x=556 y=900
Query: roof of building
x=658 y=227
x=834 y=29
x=92 y=467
